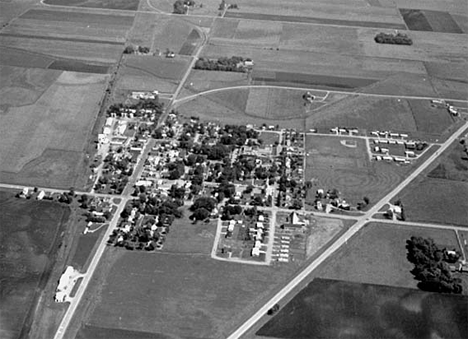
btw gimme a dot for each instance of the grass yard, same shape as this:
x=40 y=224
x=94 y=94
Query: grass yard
x=186 y=237
x=30 y=236
x=336 y=309
x=131 y=5
x=43 y=143
x=377 y=255
x=436 y=201
x=330 y=164
x=178 y=295
x=269 y=138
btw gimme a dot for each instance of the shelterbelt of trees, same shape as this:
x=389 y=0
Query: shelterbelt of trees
x=431 y=266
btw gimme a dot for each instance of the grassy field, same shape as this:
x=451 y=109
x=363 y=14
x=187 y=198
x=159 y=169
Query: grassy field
x=200 y=81
x=377 y=255
x=30 y=236
x=43 y=142
x=330 y=165
x=428 y=119
x=436 y=201
x=229 y=107
x=179 y=295
x=451 y=165
x=331 y=308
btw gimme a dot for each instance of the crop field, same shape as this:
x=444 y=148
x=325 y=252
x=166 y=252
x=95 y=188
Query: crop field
x=49 y=150
x=348 y=169
x=180 y=295
x=368 y=311
x=201 y=81
x=81 y=17
x=426 y=20
x=21 y=58
x=444 y=201
x=377 y=255
x=23 y=86
x=169 y=69
x=171 y=32
x=143 y=29
x=209 y=109
x=76 y=66
x=365 y=113
x=30 y=238
x=106 y=4
x=63 y=30
x=106 y=53
x=191 y=43
x=275 y=103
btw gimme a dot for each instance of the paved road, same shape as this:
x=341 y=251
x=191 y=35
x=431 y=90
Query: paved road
x=342 y=240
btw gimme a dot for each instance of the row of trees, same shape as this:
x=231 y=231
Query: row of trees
x=431 y=266
x=181 y=6
x=233 y=64
x=396 y=39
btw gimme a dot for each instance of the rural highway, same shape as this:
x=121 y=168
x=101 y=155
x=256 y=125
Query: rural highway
x=342 y=240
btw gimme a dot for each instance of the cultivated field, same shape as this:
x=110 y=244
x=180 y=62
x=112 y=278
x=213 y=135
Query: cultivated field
x=30 y=236
x=201 y=81
x=330 y=308
x=437 y=201
x=78 y=35
x=55 y=129
x=377 y=255
x=106 y=4
x=179 y=295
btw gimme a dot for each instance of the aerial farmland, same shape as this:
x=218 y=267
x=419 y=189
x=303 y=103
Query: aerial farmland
x=249 y=169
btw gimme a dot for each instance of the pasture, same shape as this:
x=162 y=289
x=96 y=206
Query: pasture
x=30 y=236
x=330 y=164
x=43 y=143
x=436 y=201
x=368 y=311
x=178 y=295
x=377 y=255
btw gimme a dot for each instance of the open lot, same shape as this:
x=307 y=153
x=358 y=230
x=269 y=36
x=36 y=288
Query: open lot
x=330 y=164
x=436 y=201
x=30 y=236
x=330 y=308
x=55 y=129
x=179 y=295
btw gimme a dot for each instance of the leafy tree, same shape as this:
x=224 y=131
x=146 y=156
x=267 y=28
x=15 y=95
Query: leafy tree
x=204 y=202
x=200 y=214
